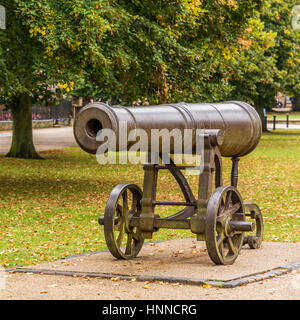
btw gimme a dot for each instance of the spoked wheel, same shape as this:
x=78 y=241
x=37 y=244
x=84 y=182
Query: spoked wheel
x=254 y=240
x=224 y=225
x=123 y=241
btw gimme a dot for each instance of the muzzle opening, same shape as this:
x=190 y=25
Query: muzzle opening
x=92 y=127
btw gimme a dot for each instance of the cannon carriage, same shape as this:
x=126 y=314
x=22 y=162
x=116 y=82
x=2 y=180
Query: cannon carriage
x=217 y=214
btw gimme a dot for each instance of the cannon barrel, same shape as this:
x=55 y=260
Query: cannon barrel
x=239 y=122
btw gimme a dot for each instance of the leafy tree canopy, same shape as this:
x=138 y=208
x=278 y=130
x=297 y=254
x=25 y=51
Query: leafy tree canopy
x=162 y=50
x=180 y=49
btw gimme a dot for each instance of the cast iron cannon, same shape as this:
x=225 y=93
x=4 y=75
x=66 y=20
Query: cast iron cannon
x=217 y=214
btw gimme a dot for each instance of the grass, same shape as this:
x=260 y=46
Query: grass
x=292 y=115
x=49 y=209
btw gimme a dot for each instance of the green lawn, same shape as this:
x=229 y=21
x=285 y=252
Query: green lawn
x=292 y=116
x=49 y=209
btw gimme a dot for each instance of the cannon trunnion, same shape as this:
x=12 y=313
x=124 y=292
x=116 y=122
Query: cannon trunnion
x=217 y=214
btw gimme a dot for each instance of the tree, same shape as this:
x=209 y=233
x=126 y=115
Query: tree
x=32 y=58
x=164 y=51
x=48 y=45
x=272 y=61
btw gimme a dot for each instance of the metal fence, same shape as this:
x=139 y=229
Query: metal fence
x=62 y=111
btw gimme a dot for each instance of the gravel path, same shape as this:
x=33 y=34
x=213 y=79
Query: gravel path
x=36 y=287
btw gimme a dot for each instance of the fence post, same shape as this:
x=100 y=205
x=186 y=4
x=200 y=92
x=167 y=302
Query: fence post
x=274 y=122
x=287 y=120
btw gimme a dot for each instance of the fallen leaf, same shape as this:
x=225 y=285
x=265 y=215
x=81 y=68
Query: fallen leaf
x=115 y=279
x=175 y=284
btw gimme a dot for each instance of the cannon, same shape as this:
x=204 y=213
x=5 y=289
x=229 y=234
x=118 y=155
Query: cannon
x=217 y=214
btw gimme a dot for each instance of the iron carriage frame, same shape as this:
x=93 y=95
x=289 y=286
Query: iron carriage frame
x=217 y=215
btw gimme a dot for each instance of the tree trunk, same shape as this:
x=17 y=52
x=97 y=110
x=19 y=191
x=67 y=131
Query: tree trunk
x=261 y=114
x=22 y=142
x=296 y=106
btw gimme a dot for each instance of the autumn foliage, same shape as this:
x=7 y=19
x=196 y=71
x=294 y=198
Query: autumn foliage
x=162 y=51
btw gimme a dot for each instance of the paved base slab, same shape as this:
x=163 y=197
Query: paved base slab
x=181 y=260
